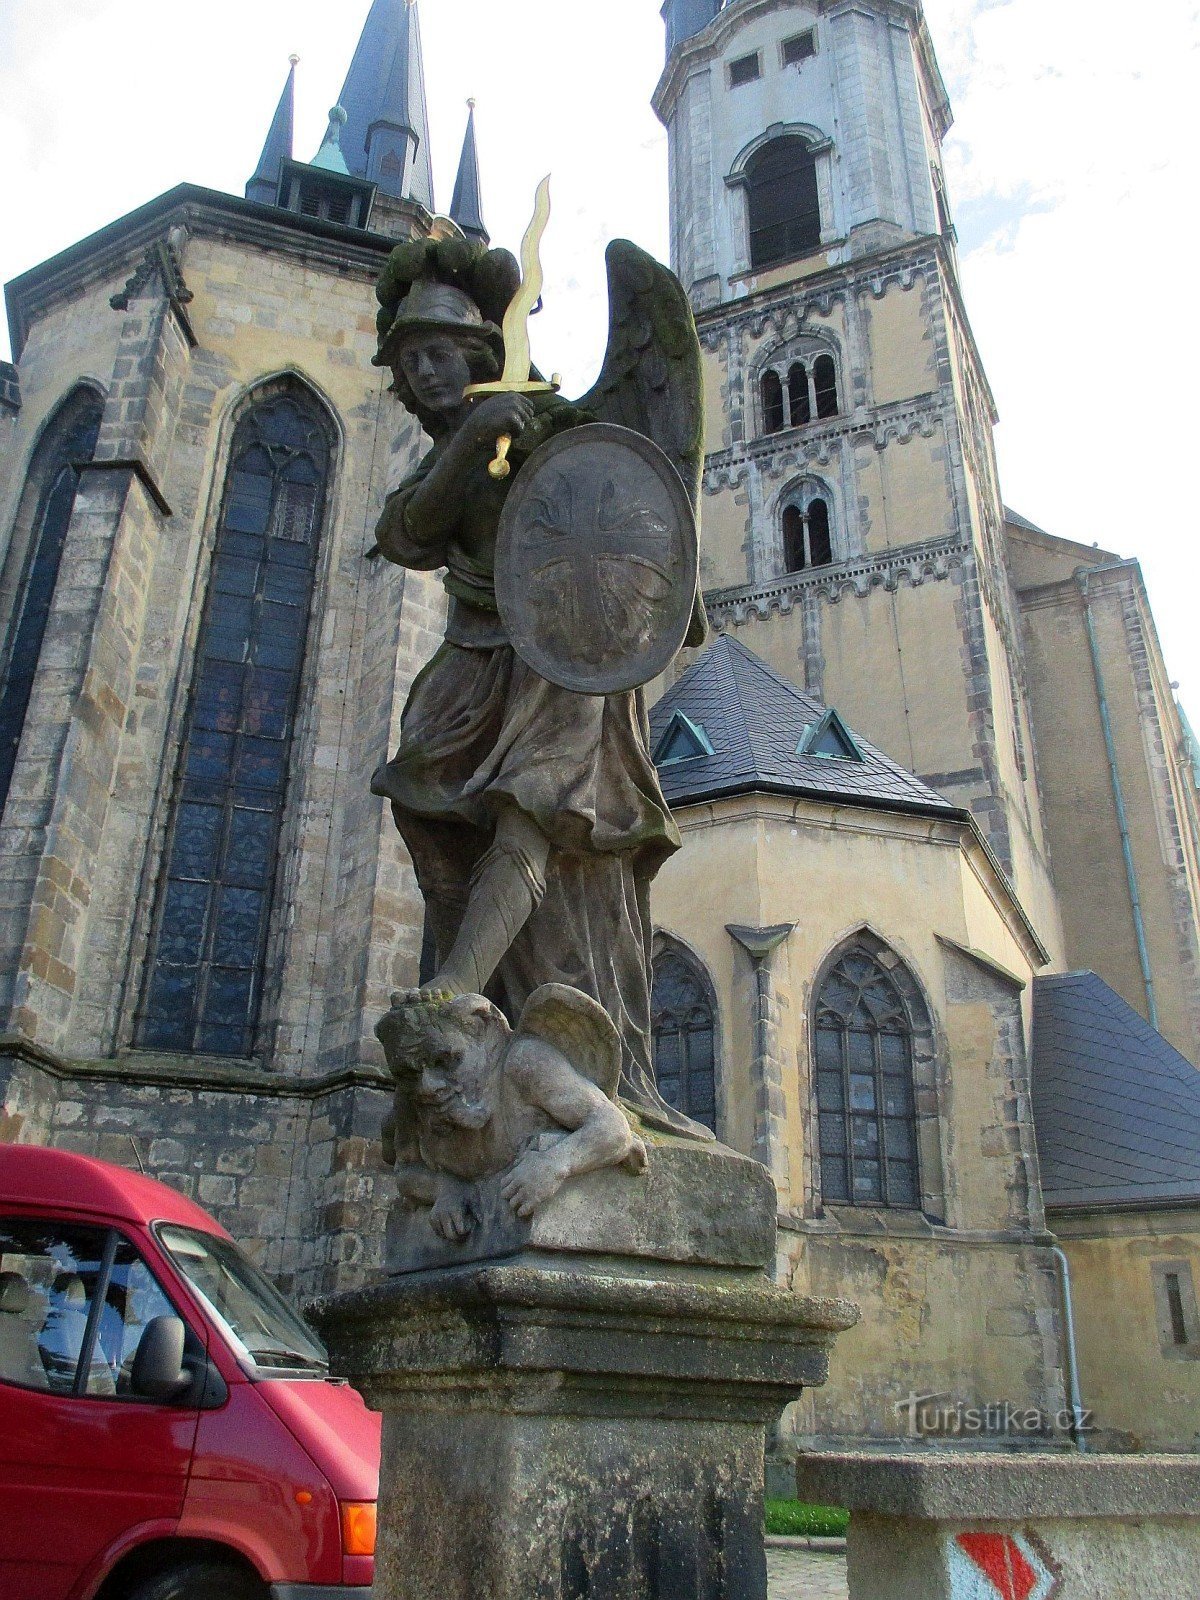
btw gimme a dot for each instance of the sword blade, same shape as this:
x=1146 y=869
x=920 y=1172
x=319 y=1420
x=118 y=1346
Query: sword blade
x=517 y=356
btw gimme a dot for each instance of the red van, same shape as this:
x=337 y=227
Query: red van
x=168 y=1427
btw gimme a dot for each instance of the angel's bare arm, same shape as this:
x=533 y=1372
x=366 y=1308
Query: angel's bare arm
x=599 y=1135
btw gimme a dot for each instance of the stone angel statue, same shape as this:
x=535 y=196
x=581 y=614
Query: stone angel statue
x=525 y=794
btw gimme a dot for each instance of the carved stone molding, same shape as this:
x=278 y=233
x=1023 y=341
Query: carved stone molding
x=781 y=455
x=913 y=564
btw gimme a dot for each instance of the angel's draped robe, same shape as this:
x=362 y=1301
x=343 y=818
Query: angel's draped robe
x=482 y=731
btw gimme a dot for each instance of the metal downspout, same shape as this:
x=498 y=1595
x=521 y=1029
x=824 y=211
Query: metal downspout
x=1139 y=926
x=1064 y=1285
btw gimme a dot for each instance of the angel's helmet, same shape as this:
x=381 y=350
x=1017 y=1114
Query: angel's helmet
x=440 y=289
x=448 y=1049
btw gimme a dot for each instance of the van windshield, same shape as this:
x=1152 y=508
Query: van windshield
x=256 y=1318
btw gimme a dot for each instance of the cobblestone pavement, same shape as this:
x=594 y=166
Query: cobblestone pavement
x=805 y=1575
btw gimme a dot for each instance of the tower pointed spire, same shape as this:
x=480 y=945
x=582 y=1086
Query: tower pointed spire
x=264 y=185
x=386 y=137
x=467 y=206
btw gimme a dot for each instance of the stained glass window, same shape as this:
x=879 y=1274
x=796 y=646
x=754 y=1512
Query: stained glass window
x=865 y=1102
x=785 y=211
x=683 y=1024
x=68 y=442
x=204 y=974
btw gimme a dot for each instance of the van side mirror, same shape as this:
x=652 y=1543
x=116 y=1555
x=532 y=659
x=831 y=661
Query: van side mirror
x=158 y=1361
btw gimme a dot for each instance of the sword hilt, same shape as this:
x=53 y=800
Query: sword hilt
x=499 y=468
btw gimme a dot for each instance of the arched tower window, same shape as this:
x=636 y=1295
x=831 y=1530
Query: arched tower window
x=204 y=972
x=784 y=208
x=798 y=387
x=863 y=1044
x=683 y=1022
x=798 y=394
x=807 y=533
x=825 y=383
x=67 y=444
x=772 y=402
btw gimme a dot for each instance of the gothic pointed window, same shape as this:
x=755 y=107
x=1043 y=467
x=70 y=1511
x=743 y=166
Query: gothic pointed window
x=772 y=402
x=825 y=383
x=204 y=973
x=863 y=1045
x=683 y=1022
x=42 y=521
x=782 y=197
x=798 y=404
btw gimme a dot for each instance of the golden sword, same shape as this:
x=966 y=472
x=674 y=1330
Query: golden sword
x=517 y=357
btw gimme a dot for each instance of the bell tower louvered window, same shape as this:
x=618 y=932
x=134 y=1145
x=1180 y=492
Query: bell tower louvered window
x=865 y=1097
x=784 y=202
x=204 y=977
x=67 y=444
x=684 y=1027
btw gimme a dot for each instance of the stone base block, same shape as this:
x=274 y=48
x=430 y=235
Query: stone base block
x=948 y=1525
x=552 y=1433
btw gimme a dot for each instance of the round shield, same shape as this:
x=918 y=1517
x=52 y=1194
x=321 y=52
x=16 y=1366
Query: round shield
x=596 y=560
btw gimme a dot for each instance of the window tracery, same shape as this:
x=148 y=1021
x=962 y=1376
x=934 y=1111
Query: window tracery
x=683 y=1026
x=863 y=1055
x=204 y=973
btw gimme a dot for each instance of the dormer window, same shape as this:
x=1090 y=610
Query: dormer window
x=682 y=740
x=744 y=70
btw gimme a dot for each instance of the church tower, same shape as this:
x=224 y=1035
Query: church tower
x=853 y=530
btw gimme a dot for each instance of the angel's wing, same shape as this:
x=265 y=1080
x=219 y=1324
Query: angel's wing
x=652 y=380
x=578 y=1026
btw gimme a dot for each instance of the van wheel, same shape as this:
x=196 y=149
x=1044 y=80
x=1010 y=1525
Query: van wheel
x=199 y=1580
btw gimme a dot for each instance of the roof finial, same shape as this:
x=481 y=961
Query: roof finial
x=295 y=60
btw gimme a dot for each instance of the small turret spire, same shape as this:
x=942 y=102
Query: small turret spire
x=387 y=130
x=467 y=206
x=330 y=155
x=264 y=185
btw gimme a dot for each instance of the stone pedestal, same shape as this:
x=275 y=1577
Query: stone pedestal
x=585 y=1413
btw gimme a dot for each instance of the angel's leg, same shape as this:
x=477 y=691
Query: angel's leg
x=506 y=889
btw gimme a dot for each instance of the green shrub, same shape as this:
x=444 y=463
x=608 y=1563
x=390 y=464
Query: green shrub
x=790 y=1516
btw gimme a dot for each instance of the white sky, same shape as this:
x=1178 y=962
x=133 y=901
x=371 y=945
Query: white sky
x=1072 y=169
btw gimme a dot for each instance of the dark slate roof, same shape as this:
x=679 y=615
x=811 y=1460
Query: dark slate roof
x=1018 y=521
x=386 y=83
x=754 y=720
x=264 y=185
x=467 y=206
x=1117 y=1108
